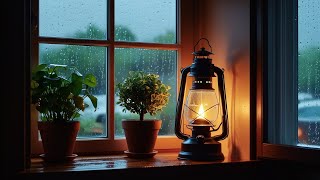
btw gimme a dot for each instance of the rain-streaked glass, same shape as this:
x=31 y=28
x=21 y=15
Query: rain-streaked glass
x=73 y=19
x=309 y=73
x=161 y=62
x=87 y=59
x=146 y=21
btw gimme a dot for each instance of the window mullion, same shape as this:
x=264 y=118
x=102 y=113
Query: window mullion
x=110 y=69
x=70 y=41
x=122 y=44
x=35 y=143
x=288 y=70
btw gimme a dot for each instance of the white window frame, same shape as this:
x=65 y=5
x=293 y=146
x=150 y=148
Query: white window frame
x=275 y=48
x=111 y=145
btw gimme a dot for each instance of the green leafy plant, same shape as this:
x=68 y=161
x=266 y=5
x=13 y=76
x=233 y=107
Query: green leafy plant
x=58 y=91
x=143 y=93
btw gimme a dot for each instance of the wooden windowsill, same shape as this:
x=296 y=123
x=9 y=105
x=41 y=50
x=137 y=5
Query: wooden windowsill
x=111 y=162
x=162 y=164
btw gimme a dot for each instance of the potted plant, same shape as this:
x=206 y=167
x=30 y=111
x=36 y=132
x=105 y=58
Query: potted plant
x=142 y=93
x=58 y=93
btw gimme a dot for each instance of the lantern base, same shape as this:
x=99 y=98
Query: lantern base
x=209 y=150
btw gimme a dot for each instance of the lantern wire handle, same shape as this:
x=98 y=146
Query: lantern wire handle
x=194 y=47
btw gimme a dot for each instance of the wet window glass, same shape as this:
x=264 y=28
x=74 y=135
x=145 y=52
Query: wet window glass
x=73 y=19
x=309 y=73
x=161 y=62
x=146 y=21
x=87 y=59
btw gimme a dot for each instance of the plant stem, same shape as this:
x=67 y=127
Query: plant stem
x=141 y=116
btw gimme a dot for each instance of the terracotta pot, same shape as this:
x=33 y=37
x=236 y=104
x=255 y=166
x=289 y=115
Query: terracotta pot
x=58 y=139
x=141 y=136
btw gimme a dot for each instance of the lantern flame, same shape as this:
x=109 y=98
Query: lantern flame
x=201 y=112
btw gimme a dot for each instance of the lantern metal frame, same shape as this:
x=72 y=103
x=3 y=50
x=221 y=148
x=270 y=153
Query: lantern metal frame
x=200 y=145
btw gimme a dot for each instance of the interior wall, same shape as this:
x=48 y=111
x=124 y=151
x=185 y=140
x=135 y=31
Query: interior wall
x=226 y=24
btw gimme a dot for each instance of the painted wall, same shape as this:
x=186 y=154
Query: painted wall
x=226 y=24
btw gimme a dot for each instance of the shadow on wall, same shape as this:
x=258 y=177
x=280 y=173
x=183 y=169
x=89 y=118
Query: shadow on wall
x=228 y=25
x=240 y=106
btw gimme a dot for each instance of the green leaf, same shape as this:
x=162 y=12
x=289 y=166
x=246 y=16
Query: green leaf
x=39 y=75
x=56 y=68
x=78 y=101
x=142 y=93
x=39 y=67
x=75 y=87
x=56 y=89
x=76 y=77
x=90 y=80
x=76 y=115
x=34 y=84
x=52 y=77
x=94 y=101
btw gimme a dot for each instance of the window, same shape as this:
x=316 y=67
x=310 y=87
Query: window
x=287 y=95
x=111 y=38
x=309 y=73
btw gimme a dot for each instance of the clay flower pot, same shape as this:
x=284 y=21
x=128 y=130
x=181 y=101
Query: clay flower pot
x=141 y=137
x=58 y=140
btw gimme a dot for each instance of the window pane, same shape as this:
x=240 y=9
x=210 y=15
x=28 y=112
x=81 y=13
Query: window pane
x=309 y=73
x=73 y=18
x=161 y=62
x=145 y=21
x=87 y=59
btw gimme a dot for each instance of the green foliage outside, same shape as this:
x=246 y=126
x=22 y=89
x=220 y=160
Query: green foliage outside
x=93 y=59
x=309 y=71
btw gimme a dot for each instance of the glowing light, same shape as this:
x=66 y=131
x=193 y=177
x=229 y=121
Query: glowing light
x=201 y=113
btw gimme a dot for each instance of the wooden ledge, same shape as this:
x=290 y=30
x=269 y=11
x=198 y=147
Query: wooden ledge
x=162 y=164
x=83 y=163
